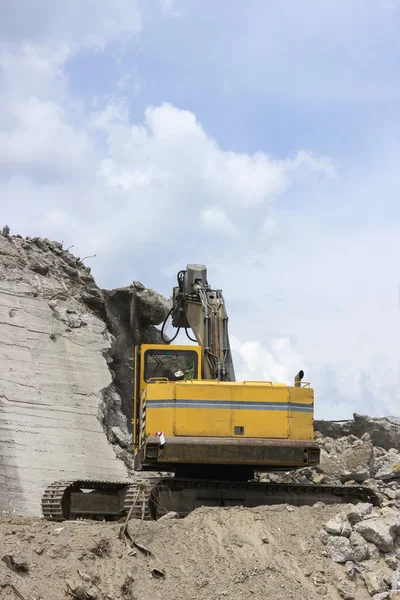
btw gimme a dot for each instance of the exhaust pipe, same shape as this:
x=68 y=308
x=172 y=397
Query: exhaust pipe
x=298 y=378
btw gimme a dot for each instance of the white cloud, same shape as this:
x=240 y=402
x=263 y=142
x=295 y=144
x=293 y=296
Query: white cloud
x=215 y=220
x=276 y=361
x=172 y=8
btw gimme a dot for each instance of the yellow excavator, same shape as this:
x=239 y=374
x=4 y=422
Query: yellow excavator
x=206 y=436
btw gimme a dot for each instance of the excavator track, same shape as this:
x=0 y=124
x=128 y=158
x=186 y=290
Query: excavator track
x=52 y=500
x=66 y=500
x=184 y=495
x=139 y=494
x=149 y=499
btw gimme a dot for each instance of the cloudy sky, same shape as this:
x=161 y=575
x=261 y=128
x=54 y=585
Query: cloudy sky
x=259 y=137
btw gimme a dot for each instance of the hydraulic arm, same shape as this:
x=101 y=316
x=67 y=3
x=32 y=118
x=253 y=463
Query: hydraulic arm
x=202 y=309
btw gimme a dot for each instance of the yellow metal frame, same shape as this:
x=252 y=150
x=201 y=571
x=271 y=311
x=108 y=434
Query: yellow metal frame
x=214 y=409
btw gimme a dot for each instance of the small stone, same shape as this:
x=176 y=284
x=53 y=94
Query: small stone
x=334 y=526
x=15 y=563
x=381 y=596
x=318 y=478
x=373 y=552
x=122 y=438
x=391 y=494
x=346 y=529
x=350 y=570
x=358 y=513
x=375 y=583
x=346 y=590
x=318 y=580
x=391 y=561
x=324 y=536
x=59 y=530
x=322 y=591
x=85 y=576
x=395 y=583
x=169 y=515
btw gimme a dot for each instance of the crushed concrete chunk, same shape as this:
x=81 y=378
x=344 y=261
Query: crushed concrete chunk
x=387 y=466
x=339 y=549
x=375 y=583
x=334 y=526
x=379 y=531
x=360 y=547
x=346 y=590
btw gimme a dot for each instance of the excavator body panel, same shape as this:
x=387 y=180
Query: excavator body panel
x=209 y=422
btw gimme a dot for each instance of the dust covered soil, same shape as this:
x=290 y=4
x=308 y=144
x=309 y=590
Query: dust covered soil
x=267 y=552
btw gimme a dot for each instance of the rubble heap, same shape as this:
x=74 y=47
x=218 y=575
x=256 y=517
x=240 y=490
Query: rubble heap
x=348 y=459
x=213 y=554
x=366 y=541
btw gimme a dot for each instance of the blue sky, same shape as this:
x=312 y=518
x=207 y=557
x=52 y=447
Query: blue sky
x=259 y=137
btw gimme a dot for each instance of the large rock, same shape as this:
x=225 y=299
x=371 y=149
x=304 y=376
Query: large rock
x=339 y=549
x=356 y=513
x=380 y=531
x=130 y=314
x=152 y=307
x=387 y=466
x=53 y=349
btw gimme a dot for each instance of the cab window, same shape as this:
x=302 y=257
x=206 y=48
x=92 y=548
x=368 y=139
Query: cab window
x=174 y=365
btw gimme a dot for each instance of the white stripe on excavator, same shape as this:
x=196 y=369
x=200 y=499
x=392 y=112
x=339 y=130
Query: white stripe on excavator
x=292 y=406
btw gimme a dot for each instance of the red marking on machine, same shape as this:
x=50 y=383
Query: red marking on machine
x=160 y=434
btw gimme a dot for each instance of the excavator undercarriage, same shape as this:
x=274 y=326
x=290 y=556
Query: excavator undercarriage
x=153 y=497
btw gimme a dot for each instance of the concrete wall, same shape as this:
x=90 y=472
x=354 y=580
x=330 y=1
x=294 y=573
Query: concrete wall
x=53 y=371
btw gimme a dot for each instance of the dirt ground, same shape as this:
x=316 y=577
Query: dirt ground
x=233 y=553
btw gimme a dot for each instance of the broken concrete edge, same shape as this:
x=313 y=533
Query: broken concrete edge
x=383 y=431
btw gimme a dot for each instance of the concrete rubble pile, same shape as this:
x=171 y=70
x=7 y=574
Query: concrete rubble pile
x=349 y=460
x=366 y=541
x=363 y=538
x=65 y=382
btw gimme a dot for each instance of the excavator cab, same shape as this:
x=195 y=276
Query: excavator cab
x=170 y=363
